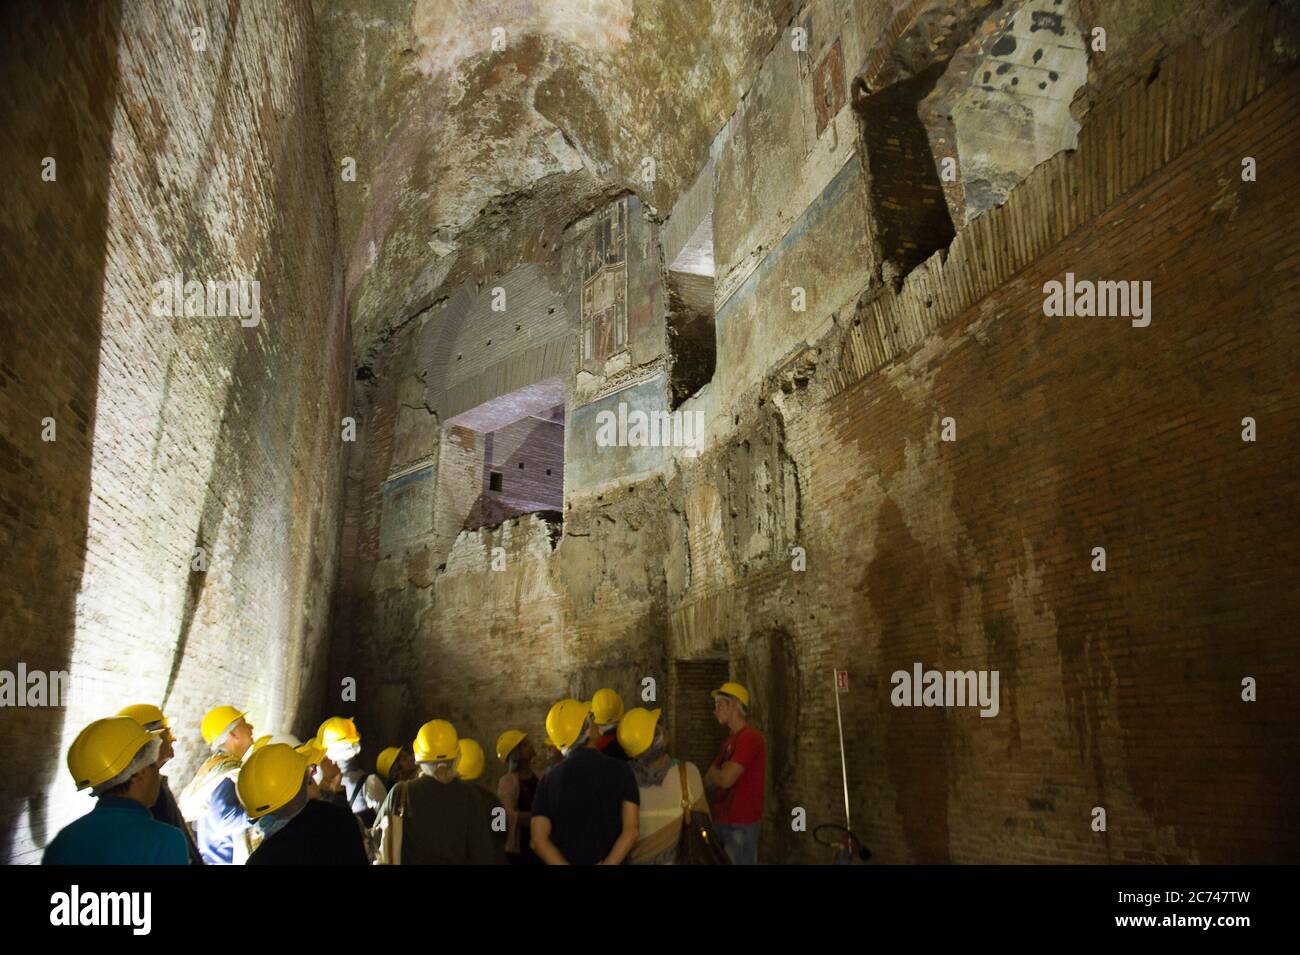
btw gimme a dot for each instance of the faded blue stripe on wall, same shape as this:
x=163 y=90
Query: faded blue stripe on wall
x=812 y=217
x=586 y=463
x=421 y=474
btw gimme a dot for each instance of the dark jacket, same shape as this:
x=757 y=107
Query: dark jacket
x=321 y=834
x=166 y=811
x=447 y=824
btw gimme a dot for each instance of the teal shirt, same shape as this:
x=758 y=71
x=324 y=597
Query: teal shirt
x=117 y=832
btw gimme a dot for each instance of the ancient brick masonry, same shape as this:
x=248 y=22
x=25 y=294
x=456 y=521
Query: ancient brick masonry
x=1119 y=690
x=860 y=308
x=172 y=434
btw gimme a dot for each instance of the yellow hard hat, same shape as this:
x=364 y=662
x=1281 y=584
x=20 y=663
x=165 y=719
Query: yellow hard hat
x=436 y=742
x=507 y=741
x=387 y=759
x=337 y=729
x=469 y=764
x=308 y=749
x=312 y=751
x=733 y=689
x=270 y=779
x=564 y=722
x=105 y=748
x=218 y=718
x=607 y=707
x=146 y=714
x=636 y=730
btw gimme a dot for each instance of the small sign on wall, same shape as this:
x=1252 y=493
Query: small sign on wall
x=842 y=681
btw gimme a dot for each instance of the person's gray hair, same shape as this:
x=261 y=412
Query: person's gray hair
x=147 y=755
x=219 y=741
x=433 y=767
x=343 y=751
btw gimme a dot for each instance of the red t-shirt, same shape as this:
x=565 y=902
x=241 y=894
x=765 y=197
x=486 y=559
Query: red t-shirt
x=743 y=802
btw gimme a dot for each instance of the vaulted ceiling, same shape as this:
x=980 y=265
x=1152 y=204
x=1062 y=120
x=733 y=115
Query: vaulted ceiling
x=481 y=128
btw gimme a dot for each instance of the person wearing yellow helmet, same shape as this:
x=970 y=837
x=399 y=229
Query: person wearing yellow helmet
x=165 y=808
x=607 y=710
x=735 y=780
x=470 y=764
x=117 y=760
x=437 y=818
x=395 y=764
x=210 y=799
x=516 y=790
x=363 y=792
x=274 y=787
x=665 y=784
x=586 y=808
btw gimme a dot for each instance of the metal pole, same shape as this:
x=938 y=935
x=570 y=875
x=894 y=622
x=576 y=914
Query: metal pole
x=844 y=768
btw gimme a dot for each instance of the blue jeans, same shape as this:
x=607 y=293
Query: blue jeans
x=741 y=842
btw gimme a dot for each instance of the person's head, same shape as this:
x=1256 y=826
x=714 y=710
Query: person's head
x=406 y=768
x=436 y=748
x=239 y=739
x=151 y=718
x=641 y=734
x=521 y=760
x=730 y=701
x=143 y=787
x=606 y=708
x=341 y=739
x=274 y=781
x=226 y=731
x=395 y=764
x=515 y=749
x=470 y=761
x=569 y=726
x=386 y=764
x=117 y=757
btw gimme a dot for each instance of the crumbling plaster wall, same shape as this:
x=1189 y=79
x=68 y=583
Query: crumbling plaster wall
x=480 y=131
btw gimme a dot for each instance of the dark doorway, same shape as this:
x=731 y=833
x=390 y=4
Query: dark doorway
x=696 y=735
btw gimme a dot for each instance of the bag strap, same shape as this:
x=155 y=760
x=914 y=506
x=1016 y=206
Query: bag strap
x=686 y=793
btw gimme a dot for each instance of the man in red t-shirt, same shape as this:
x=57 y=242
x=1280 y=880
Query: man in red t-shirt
x=735 y=780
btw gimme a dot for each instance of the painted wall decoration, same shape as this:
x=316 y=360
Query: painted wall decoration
x=604 y=285
x=828 y=87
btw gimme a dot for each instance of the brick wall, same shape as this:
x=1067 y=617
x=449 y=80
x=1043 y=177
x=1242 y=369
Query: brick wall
x=172 y=434
x=1119 y=690
x=529 y=456
x=693 y=730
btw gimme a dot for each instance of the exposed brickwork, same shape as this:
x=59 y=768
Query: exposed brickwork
x=1120 y=690
x=172 y=433
x=694 y=732
x=826 y=524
